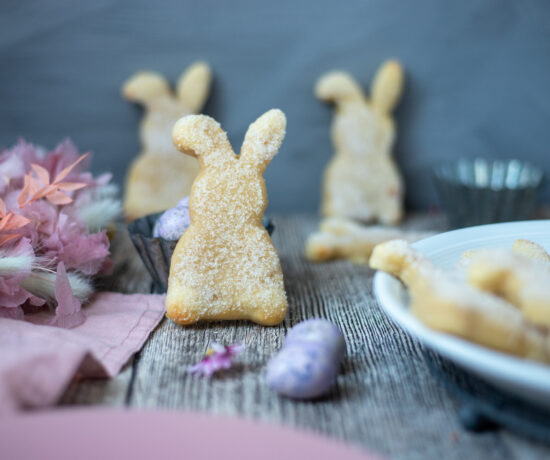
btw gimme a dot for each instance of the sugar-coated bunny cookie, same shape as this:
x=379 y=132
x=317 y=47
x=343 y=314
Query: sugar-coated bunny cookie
x=445 y=302
x=362 y=181
x=531 y=250
x=225 y=265
x=160 y=176
x=521 y=247
x=341 y=238
x=520 y=280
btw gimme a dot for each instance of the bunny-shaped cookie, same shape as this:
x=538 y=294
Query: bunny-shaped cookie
x=160 y=176
x=362 y=181
x=225 y=265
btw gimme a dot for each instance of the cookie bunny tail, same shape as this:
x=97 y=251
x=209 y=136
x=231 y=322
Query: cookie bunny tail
x=202 y=137
x=263 y=139
x=338 y=87
x=194 y=86
x=387 y=86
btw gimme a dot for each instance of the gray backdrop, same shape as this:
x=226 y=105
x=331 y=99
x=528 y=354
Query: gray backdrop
x=477 y=76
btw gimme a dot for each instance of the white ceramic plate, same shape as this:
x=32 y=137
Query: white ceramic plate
x=527 y=379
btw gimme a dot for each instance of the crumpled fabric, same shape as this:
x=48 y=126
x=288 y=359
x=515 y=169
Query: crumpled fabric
x=39 y=361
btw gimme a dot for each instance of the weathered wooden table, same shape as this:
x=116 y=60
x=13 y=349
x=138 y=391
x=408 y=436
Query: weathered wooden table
x=385 y=397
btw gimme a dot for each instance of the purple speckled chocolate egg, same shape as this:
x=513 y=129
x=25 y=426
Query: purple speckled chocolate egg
x=308 y=363
x=173 y=222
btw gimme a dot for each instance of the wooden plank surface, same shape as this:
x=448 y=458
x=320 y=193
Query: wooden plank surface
x=384 y=399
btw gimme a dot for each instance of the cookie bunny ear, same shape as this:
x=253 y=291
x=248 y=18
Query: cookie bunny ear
x=387 y=86
x=263 y=139
x=145 y=88
x=202 y=137
x=338 y=87
x=194 y=86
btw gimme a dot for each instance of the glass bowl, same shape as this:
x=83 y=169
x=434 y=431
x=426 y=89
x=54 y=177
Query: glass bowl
x=481 y=191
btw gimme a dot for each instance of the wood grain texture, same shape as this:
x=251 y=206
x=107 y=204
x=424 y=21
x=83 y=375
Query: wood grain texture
x=384 y=399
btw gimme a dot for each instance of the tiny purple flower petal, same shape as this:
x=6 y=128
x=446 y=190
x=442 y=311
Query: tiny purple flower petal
x=236 y=349
x=217 y=357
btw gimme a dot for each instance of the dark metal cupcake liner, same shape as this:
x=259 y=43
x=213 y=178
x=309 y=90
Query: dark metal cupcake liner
x=479 y=191
x=156 y=253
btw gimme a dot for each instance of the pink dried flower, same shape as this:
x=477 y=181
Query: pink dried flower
x=9 y=223
x=69 y=242
x=217 y=357
x=34 y=189
x=16 y=264
x=12 y=166
x=52 y=230
x=68 y=313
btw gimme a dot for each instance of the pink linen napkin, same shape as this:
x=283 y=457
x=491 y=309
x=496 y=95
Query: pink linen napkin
x=37 y=361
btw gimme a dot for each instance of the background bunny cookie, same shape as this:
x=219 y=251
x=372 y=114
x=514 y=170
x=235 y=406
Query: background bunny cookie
x=362 y=181
x=160 y=176
x=225 y=265
x=341 y=238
